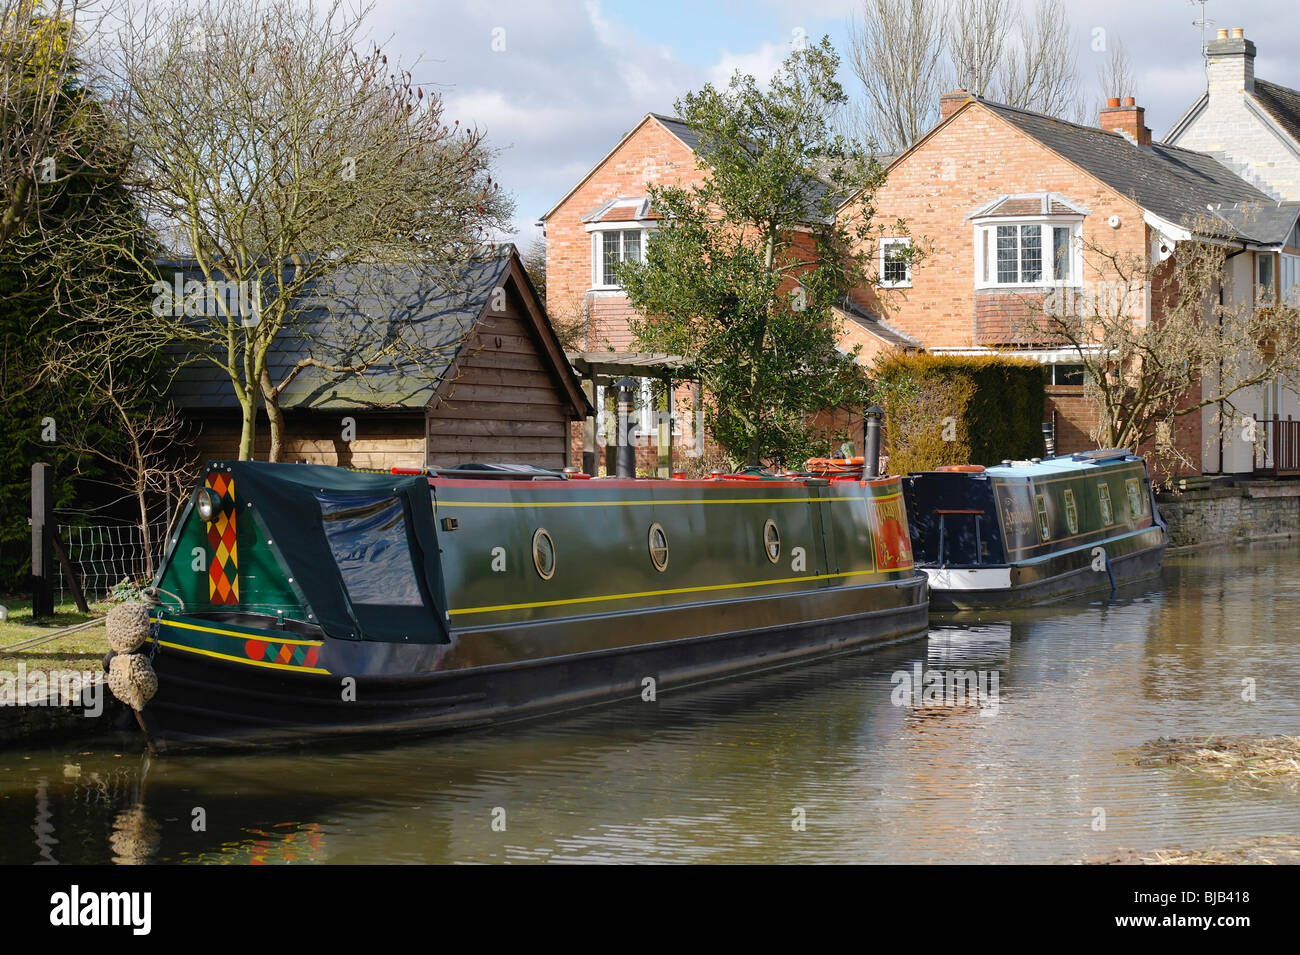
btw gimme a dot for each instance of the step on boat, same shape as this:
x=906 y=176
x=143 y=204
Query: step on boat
x=299 y=601
x=1028 y=532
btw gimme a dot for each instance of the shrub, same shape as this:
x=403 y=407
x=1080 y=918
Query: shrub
x=955 y=409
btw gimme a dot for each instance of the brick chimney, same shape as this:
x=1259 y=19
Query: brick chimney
x=1230 y=63
x=949 y=103
x=1127 y=118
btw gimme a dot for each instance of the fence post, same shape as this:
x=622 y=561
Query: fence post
x=42 y=553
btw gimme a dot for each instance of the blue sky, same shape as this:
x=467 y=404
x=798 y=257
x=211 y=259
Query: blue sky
x=556 y=83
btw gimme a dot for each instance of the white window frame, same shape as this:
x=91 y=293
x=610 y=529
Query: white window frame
x=598 y=231
x=644 y=419
x=885 y=244
x=1289 y=279
x=986 y=237
x=1264 y=290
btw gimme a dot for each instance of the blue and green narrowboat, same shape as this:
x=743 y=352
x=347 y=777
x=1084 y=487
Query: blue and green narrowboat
x=1030 y=532
x=302 y=601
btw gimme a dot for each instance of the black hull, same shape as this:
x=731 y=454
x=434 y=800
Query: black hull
x=1057 y=579
x=211 y=702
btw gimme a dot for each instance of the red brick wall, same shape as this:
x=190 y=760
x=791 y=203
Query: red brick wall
x=650 y=155
x=974 y=159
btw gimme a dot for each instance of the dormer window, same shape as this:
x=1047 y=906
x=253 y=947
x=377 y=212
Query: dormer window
x=1032 y=240
x=619 y=229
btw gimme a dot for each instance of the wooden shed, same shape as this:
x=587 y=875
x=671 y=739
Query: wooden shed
x=479 y=374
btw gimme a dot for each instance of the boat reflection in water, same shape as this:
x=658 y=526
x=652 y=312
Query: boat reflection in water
x=715 y=773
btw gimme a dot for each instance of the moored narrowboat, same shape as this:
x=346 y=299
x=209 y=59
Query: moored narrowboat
x=1030 y=532
x=306 y=601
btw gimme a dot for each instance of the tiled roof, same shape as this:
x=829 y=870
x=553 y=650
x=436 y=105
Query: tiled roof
x=873 y=324
x=1267 y=223
x=1177 y=185
x=1282 y=103
x=339 y=320
x=1036 y=204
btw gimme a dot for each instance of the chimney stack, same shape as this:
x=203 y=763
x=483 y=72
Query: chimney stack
x=949 y=103
x=1127 y=118
x=1230 y=63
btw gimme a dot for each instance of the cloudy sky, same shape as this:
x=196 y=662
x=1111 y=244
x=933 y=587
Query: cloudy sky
x=556 y=83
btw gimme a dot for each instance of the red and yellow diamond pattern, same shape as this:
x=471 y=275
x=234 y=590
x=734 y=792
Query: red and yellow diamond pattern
x=223 y=570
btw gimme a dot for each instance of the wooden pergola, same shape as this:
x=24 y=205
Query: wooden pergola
x=597 y=368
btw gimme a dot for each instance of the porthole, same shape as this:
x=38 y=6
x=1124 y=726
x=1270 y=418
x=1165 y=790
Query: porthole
x=543 y=553
x=771 y=541
x=658 y=541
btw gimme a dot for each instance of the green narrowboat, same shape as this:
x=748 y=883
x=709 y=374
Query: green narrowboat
x=1030 y=532
x=301 y=601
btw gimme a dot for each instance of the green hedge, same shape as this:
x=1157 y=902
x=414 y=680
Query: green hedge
x=954 y=409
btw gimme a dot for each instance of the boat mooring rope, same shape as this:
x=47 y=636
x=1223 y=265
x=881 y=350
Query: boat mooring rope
x=51 y=635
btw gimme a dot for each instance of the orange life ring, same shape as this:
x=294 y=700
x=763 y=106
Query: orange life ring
x=834 y=464
x=963 y=468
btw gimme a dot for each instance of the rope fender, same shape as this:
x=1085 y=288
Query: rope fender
x=129 y=674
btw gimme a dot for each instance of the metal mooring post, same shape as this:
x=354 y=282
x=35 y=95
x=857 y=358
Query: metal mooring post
x=42 y=531
x=871 y=440
x=625 y=457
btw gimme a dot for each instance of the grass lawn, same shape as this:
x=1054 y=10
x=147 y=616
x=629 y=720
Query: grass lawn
x=75 y=651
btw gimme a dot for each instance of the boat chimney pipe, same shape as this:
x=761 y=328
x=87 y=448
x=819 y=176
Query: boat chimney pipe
x=871 y=441
x=1049 y=440
x=625 y=449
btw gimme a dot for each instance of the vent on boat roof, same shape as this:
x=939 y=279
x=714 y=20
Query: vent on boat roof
x=516 y=472
x=1103 y=454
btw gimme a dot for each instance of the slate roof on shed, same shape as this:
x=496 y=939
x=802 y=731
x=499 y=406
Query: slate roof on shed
x=340 y=320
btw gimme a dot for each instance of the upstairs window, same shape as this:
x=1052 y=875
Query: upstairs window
x=1010 y=254
x=895 y=263
x=609 y=248
x=1265 y=293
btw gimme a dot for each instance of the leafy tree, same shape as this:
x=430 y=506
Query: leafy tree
x=742 y=277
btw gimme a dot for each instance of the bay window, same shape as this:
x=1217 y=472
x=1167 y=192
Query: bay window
x=1044 y=252
x=610 y=247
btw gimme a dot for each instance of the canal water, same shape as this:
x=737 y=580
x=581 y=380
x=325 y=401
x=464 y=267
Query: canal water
x=1031 y=761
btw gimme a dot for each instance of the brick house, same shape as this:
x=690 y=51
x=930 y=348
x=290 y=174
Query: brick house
x=606 y=218
x=1006 y=201
x=1005 y=195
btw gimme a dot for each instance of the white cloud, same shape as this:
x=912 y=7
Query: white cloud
x=566 y=87
x=760 y=63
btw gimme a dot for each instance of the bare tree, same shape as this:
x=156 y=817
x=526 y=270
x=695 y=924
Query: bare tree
x=1038 y=71
x=275 y=151
x=1115 y=76
x=1157 y=344
x=896 y=51
x=978 y=32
